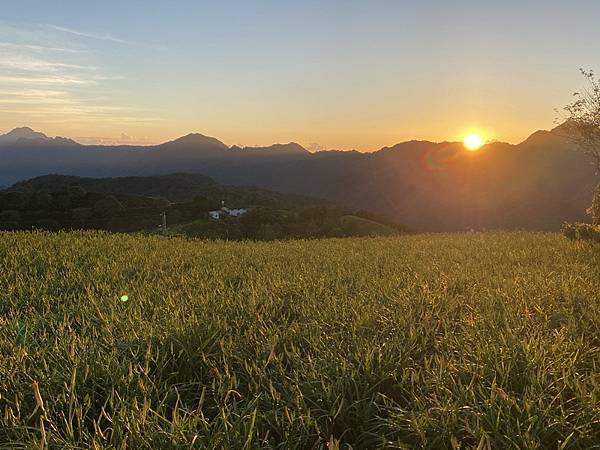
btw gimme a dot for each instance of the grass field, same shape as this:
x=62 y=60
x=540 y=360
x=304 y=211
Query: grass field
x=474 y=340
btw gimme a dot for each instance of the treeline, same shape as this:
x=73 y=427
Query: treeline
x=178 y=188
x=28 y=206
x=75 y=208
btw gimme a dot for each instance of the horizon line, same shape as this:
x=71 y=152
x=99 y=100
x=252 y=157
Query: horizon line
x=140 y=142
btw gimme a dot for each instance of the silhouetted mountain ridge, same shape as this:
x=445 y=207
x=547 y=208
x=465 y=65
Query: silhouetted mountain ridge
x=21 y=133
x=26 y=137
x=536 y=184
x=195 y=140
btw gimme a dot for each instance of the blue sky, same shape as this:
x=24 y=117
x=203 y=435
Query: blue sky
x=338 y=74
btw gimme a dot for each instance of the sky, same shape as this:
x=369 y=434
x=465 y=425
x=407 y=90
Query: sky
x=340 y=74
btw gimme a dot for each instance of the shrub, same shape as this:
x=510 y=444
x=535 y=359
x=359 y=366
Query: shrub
x=594 y=210
x=581 y=231
x=269 y=232
x=48 y=224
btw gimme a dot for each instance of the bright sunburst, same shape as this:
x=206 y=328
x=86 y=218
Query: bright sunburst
x=473 y=142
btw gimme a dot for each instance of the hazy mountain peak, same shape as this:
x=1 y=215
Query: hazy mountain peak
x=556 y=136
x=27 y=137
x=289 y=148
x=274 y=150
x=24 y=132
x=295 y=147
x=21 y=133
x=414 y=145
x=196 y=139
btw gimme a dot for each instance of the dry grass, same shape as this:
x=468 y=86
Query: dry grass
x=440 y=341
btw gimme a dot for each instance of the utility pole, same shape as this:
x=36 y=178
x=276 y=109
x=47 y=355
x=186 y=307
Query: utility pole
x=164 y=222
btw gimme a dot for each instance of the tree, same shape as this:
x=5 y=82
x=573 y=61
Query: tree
x=582 y=125
x=107 y=206
x=10 y=216
x=15 y=199
x=202 y=203
x=64 y=201
x=82 y=214
x=253 y=220
x=582 y=118
x=76 y=191
x=43 y=200
x=161 y=202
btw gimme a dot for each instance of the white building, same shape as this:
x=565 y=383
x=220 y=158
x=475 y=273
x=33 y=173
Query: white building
x=215 y=214
x=234 y=212
x=225 y=211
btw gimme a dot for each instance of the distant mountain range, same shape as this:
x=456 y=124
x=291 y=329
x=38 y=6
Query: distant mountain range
x=537 y=184
x=26 y=137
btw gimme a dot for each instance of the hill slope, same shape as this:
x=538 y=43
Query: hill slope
x=124 y=204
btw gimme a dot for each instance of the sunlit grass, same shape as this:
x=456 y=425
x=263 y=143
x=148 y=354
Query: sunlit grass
x=413 y=341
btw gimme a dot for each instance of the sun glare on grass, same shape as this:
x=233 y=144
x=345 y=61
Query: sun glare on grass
x=473 y=142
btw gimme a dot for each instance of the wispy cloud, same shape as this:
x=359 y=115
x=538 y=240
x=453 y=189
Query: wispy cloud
x=41 y=48
x=30 y=64
x=32 y=93
x=51 y=78
x=81 y=113
x=36 y=101
x=102 y=37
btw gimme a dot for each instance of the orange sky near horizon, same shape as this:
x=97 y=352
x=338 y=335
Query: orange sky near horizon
x=366 y=139
x=276 y=72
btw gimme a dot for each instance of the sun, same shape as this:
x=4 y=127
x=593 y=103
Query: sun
x=473 y=142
